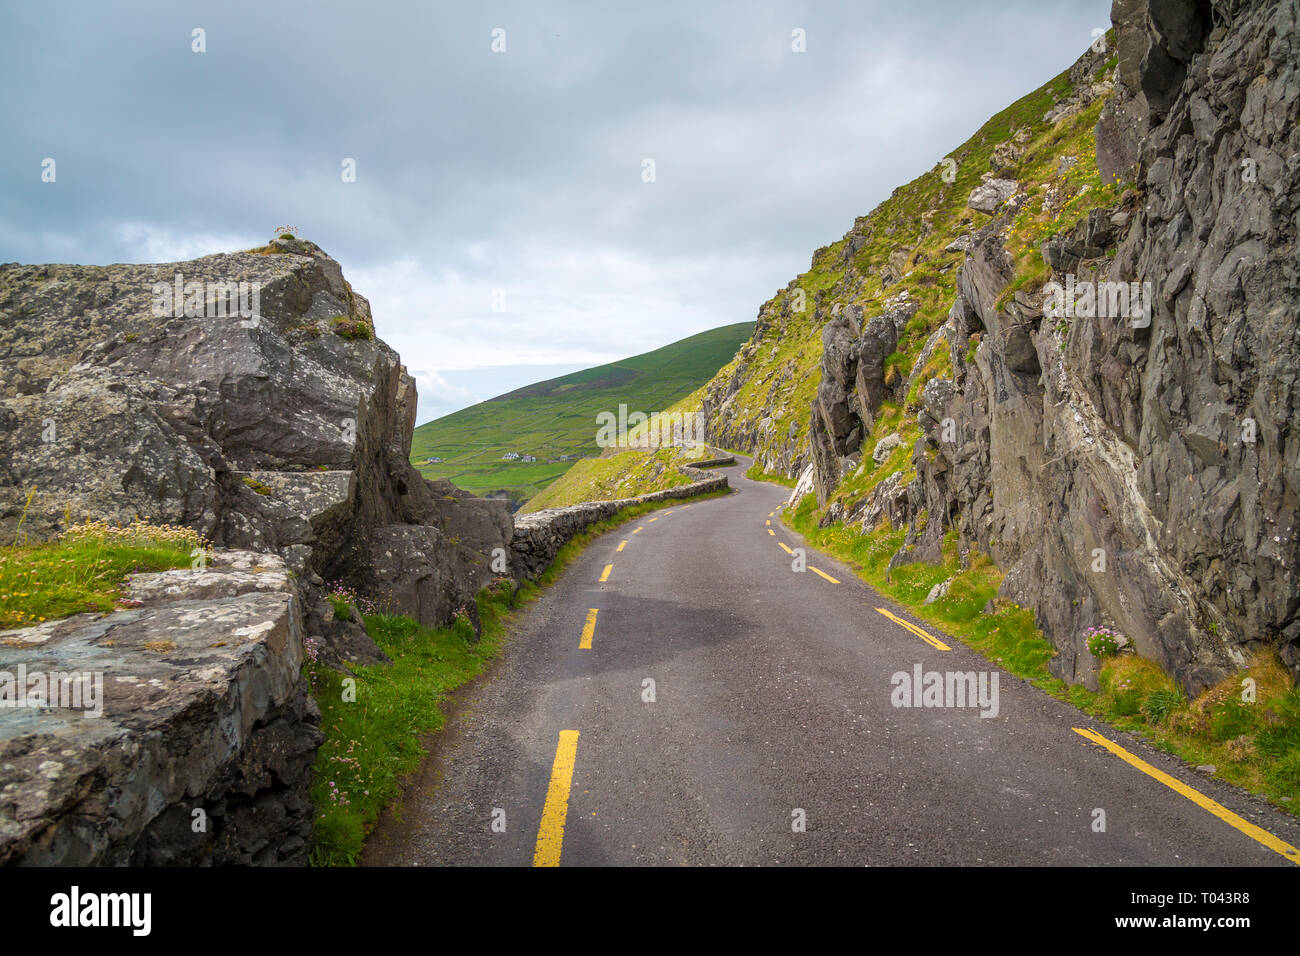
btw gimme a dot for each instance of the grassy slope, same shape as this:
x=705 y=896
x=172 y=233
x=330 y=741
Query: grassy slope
x=558 y=417
x=84 y=570
x=622 y=475
x=913 y=227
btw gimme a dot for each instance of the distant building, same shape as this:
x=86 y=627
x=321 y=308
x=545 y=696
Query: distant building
x=432 y=461
x=510 y=456
x=528 y=458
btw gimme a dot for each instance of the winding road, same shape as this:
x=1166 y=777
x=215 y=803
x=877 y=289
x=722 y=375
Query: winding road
x=771 y=735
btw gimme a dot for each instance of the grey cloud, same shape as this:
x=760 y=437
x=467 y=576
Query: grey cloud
x=483 y=171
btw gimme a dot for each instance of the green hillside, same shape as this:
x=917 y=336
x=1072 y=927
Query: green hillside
x=557 y=417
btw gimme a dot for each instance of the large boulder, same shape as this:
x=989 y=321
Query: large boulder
x=192 y=742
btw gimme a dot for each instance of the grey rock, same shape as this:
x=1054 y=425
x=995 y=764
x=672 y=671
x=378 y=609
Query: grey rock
x=990 y=194
x=938 y=592
x=203 y=708
x=885 y=446
x=285 y=444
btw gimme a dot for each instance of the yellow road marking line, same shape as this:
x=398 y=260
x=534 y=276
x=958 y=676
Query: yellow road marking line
x=823 y=574
x=652 y=520
x=637 y=529
x=783 y=545
x=550 y=834
x=768 y=523
x=771 y=532
x=621 y=545
x=771 y=514
x=932 y=641
x=588 y=630
x=604 y=575
x=669 y=511
x=1257 y=834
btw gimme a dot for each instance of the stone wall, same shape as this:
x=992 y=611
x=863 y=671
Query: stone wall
x=538 y=537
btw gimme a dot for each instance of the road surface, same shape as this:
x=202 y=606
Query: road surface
x=773 y=738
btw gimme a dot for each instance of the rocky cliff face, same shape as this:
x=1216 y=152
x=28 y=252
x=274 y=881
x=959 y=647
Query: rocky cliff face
x=1132 y=458
x=142 y=391
x=290 y=432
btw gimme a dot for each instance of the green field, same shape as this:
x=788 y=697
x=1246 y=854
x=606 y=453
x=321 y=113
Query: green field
x=558 y=417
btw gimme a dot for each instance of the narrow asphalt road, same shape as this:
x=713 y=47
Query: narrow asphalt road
x=772 y=736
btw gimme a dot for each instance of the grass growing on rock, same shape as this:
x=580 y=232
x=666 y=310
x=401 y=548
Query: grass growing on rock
x=85 y=569
x=353 y=329
x=373 y=741
x=903 y=246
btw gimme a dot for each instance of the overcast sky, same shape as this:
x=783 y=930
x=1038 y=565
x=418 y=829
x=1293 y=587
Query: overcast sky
x=519 y=171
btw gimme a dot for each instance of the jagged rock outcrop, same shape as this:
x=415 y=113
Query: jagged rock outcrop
x=287 y=432
x=855 y=381
x=1136 y=463
x=246 y=397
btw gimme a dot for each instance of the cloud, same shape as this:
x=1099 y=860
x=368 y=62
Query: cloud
x=517 y=174
x=146 y=242
x=438 y=397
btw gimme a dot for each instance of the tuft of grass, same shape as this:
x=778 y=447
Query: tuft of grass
x=342 y=609
x=85 y=569
x=256 y=485
x=352 y=329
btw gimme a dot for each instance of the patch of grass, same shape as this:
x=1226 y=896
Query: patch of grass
x=371 y=741
x=353 y=329
x=755 y=472
x=85 y=569
x=1160 y=704
x=256 y=485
